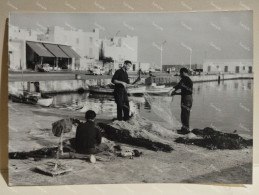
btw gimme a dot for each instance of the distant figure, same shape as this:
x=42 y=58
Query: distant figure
x=219 y=78
x=140 y=72
x=121 y=81
x=186 y=86
x=87 y=135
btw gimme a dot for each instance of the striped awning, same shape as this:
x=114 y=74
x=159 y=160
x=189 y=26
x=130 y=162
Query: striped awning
x=69 y=51
x=55 y=50
x=39 y=49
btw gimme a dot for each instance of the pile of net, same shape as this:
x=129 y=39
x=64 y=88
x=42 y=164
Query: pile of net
x=106 y=149
x=212 y=139
x=140 y=132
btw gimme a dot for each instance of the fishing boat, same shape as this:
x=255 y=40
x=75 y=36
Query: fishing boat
x=108 y=89
x=32 y=98
x=154 y=89
x=32 y=95
x=158 y=91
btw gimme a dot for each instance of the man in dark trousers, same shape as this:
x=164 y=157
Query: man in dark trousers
x=121 y=81
x=87 y=135
x=186 y=86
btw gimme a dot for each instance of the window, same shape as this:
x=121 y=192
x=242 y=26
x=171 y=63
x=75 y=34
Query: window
x=250 y=70
x=237 y=69
x=209 y=68
x=77 y=40
x=91 y=40
x=244 y=68
x=226 y=69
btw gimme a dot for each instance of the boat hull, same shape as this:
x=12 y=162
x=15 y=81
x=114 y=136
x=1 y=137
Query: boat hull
x=136 y=90
x=45 y=101
x=158 y=91
x=42 y=101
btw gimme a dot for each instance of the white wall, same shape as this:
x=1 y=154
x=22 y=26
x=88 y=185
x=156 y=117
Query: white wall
x=16 y=50
x=86 y=44
x=121 y=48
x=16 y=33
x=144 y=66
x=215 y=66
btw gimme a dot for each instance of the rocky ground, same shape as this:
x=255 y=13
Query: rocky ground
x=30 y=126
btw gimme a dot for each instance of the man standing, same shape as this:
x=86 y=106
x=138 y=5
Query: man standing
x=121 y=81
x=186 y=87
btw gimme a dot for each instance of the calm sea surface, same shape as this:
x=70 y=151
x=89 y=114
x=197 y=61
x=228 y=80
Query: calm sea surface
x=227 y=106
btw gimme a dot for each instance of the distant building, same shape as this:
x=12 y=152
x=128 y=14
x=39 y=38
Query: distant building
x=86 y=44
x=16 y=46
x=144 y=66
x=177 y=67
x=25 y=51
x=16 y=33
x=228 y=66
x=87 y=47
x=121 y=49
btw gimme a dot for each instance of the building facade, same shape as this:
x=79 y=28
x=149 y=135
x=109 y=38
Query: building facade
x=121 y=49
x=177 y=67
x=26 y=52
x=16 y=46
x=86 y=44
x=211 y=66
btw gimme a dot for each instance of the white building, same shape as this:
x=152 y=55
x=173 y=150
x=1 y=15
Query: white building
x=86 y=44
x=144 y=66
x=25 y=51
x=16 y=33
x=121 y=49
x=16 y=46
x=228 y=66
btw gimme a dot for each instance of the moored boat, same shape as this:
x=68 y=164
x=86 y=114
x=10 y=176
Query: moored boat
x=109 y=90
x=158 y=91
x=32 y=98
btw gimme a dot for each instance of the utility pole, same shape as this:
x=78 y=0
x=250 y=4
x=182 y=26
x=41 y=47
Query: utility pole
x=161 y=49
x=190 y=59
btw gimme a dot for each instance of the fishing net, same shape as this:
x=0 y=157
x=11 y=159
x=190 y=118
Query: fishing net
x=163 y=109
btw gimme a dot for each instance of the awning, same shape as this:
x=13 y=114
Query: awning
x=69 y=51
x=57 y=52
x=39 y=49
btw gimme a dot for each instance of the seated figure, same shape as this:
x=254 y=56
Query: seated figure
x=87 y=135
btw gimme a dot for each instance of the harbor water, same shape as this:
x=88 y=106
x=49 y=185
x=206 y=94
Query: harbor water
x=225 y=106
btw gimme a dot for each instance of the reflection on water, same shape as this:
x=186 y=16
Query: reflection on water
x=227 y=106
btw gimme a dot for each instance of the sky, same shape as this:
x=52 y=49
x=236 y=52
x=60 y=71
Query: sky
x=201 y=35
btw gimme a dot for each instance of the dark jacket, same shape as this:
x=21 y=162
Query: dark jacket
x=186 y=86
x=87 y=136
x=120 y=75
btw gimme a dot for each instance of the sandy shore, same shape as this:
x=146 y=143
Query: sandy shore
x=30 y=129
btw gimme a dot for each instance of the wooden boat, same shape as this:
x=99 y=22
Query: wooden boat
x=45 y=100
x=158 y=91
x=32 y=98
x=109 y=89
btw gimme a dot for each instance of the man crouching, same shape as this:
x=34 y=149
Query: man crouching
x=87 y=135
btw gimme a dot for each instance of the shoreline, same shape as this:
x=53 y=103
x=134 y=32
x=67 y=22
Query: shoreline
x=30 y=130
x=74 y=85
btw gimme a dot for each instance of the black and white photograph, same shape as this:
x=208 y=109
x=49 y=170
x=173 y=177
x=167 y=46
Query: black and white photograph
x=120 y=98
